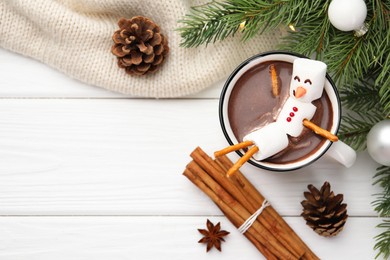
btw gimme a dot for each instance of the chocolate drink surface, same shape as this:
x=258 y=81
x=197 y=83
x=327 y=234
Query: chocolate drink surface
x=252 y=106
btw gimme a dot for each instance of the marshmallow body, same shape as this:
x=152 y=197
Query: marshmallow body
x=270 y=140
x=292 y=114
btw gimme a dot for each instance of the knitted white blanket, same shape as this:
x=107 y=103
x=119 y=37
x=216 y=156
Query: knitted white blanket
x=74 y=36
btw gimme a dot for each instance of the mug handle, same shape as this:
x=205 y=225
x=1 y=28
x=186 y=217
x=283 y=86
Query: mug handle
x=342 y=153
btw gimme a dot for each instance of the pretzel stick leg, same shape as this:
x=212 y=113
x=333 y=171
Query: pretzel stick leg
x=242 y=160
x=233 y=148
x=274 y=80
x=320 y=131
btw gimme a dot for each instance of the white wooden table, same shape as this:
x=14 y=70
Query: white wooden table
x=89 y=174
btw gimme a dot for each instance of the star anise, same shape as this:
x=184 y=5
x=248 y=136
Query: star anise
x=213 y=235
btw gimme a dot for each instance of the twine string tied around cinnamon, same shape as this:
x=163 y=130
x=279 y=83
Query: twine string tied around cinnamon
x=248 y=223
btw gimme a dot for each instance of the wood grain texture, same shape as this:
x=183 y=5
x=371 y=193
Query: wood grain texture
x=41 y=238
x=125 y=157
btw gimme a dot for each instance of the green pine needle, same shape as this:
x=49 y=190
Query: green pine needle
x=383 y=240
x=382 y=178
x=382 y=206
x=218 y=20
x=354 y=129
x=206 y=24
x=363 y=96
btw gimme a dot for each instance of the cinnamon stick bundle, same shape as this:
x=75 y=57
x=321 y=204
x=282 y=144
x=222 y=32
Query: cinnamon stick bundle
x=238 y=199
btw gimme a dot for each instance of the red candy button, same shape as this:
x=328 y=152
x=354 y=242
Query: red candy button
x=288 y=119
x=292 y=114
x=295 y=109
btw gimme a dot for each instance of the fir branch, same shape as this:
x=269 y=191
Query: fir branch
x=216 y=20
x=306 y=41
x=381 y=10
x=363 y=96
x=311 y=36
x=382 y=178
x=354 y=128
x=382 y=206
x=358 y=55
x=205 y=24
x=383 y=240
x=350 y=54
x=383 y=80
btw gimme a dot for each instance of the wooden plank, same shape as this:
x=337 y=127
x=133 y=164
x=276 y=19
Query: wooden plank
x=159 y=238
x=25 y=77
x=125 y=157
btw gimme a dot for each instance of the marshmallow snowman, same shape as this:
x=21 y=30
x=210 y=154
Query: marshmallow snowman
x=307 y=85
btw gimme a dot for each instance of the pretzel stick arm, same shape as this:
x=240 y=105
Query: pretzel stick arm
x=233 y=148
x=320 y=131
x=242 y=160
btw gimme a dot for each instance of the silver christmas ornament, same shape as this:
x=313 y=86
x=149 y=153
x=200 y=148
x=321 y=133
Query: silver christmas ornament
x=378 y=142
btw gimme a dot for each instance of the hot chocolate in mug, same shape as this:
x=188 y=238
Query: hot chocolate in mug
x=258 y=93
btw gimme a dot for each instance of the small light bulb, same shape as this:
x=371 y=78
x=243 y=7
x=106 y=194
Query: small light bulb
x=242 y=25
x=292 y=27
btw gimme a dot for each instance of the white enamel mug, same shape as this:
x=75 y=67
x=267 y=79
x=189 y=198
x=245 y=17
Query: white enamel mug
x=337 y=150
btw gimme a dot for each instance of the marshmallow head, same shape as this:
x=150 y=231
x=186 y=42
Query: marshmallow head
x=308 y=80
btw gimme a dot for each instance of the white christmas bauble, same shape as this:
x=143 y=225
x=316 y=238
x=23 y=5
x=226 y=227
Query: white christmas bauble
x=378 y=142
x=347 y=15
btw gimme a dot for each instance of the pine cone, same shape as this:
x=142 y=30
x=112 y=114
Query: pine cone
x=323 y=211
x=139 y=45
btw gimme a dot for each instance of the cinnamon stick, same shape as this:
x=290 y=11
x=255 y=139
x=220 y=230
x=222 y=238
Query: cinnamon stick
x=269 y=213
x=270 y=241
x=269 y=221
x=235 y=218
x=218 y=172
x=266 y=253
